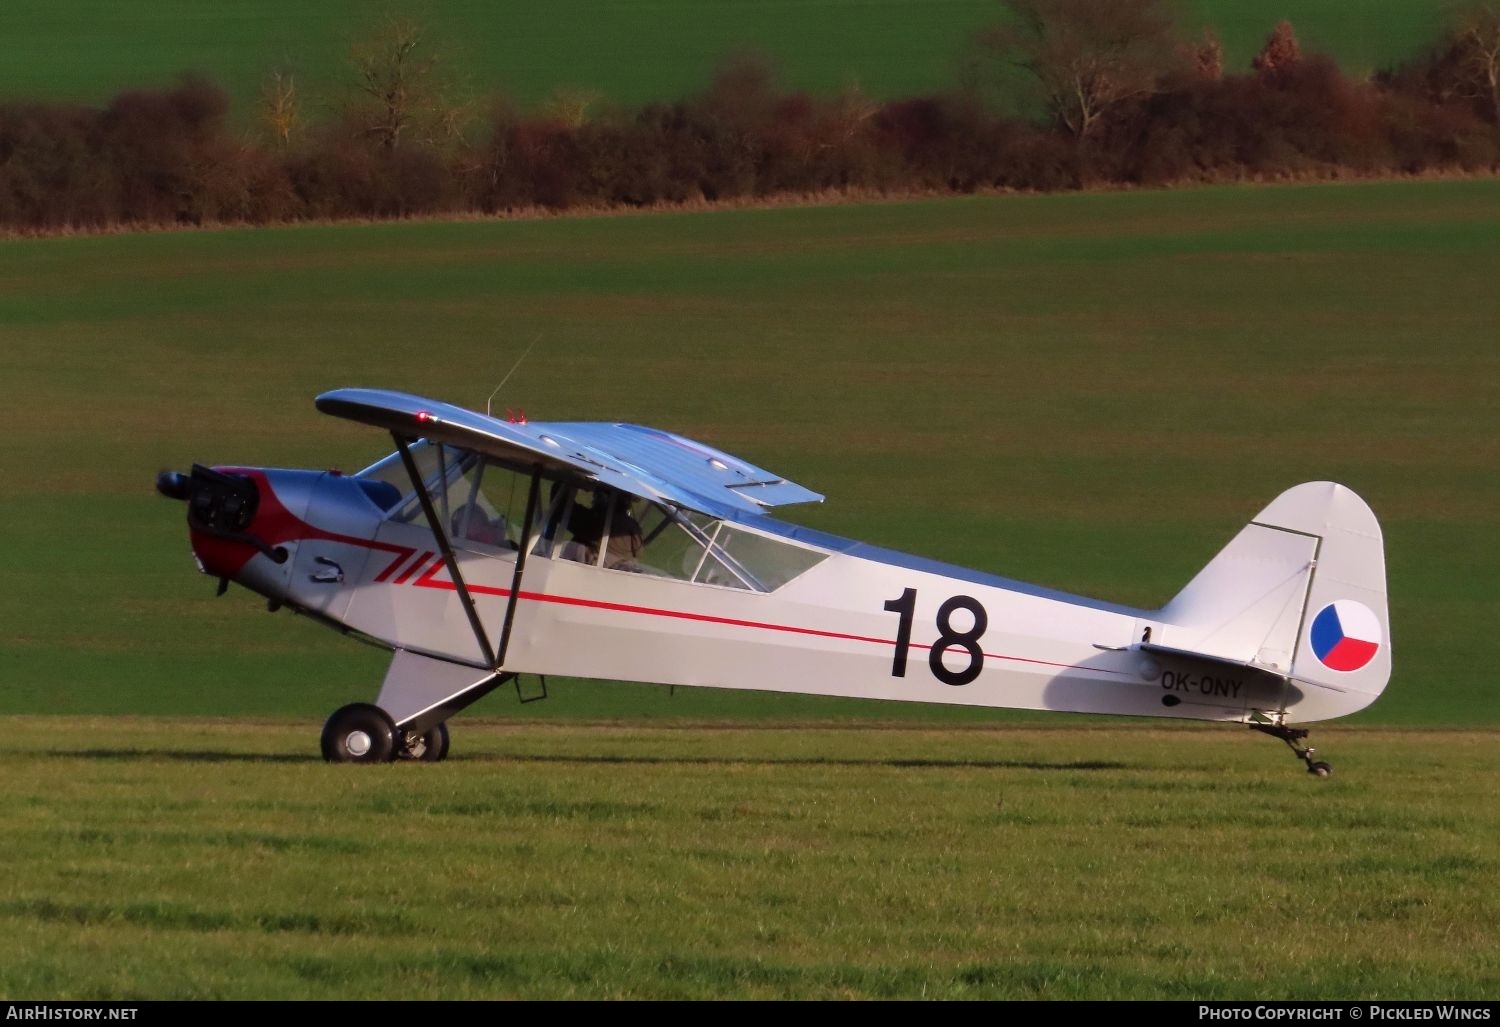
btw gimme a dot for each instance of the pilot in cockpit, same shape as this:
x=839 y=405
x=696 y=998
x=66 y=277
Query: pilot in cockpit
x=612 y=512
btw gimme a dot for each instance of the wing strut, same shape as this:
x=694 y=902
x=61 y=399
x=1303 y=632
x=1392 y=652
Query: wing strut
x=441 y=535
x=515 y=581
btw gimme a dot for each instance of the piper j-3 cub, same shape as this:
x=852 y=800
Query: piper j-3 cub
x=483 y=549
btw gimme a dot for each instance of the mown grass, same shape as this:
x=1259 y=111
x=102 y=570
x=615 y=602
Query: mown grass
x=161 y=858
x=1091 y=391
x=627 y=52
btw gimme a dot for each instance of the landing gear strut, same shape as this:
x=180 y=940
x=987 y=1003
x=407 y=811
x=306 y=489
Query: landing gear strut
x=1292 y=736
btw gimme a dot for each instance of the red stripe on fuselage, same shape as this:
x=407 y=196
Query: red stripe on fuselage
x=429 y=580
x=285 y=525
x=416 y=565
x=390 y=568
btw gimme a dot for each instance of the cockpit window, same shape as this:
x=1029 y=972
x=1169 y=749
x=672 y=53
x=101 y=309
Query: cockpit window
x=482 y=505
x=770 y=562
x=383 y=494
x=392 y=471
x=618 y=532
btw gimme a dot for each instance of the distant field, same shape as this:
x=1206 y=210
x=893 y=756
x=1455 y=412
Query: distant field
x=629 y=52
x=1089 y=391
x=207 y=859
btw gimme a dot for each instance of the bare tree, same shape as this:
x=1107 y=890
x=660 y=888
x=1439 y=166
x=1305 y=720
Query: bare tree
x=1087 y=56
x=280 y=106
x=1208 y=57
x=394 y=72
x=851 y=112
x=570 y=105
x=1281 y=50
x=1477 y=37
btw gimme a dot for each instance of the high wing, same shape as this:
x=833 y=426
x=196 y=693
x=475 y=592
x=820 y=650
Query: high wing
x=646 y=462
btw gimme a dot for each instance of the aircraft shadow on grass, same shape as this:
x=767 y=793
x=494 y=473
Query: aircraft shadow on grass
x=187 y=755
x=902 y=762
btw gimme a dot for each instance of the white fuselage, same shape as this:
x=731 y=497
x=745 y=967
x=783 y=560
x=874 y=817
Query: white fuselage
x=834 y=630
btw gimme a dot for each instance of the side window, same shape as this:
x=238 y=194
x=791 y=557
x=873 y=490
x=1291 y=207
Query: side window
x=771 y=562
x=487 y=506
x=387 y=483
x=594 y=526
x=606 y=530
x=480 y=503
x=673 y=545
x=442 y=469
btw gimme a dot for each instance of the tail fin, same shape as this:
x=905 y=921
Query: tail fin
x=1300 y=592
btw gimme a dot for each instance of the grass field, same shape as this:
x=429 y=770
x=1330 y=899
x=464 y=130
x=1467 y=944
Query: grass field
x=1093 y=392
x=1089 y=391
x=629 y=52
x=205 y=859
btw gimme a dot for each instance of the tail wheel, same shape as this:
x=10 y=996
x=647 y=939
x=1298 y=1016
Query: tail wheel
x=1293 y=737
x=431 y=746
x=359 y=733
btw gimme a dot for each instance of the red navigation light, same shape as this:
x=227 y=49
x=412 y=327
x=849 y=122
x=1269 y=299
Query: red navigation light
x=423 y=417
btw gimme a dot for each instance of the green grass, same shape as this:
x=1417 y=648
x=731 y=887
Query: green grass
x=629 y=52
x=205 y=859
x=1093 y=392
x=1090 y=391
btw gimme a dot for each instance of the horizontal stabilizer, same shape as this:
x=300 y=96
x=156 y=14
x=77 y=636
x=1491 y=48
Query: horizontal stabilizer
x=1164 y=650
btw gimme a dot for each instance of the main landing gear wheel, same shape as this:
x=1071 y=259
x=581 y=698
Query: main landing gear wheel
x=359 y=733
x=1292 y=736
x=431 y=746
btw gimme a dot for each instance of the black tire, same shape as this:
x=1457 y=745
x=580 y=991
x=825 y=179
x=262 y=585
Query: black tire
x=359 y=733
x=431 y=746
x=1320 y=769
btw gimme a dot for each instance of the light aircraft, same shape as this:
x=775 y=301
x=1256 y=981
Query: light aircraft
x=486 y=548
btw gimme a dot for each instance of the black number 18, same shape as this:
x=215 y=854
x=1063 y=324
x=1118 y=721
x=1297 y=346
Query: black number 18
x=906 y=605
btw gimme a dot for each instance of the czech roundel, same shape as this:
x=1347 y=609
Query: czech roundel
x=1346 y=635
